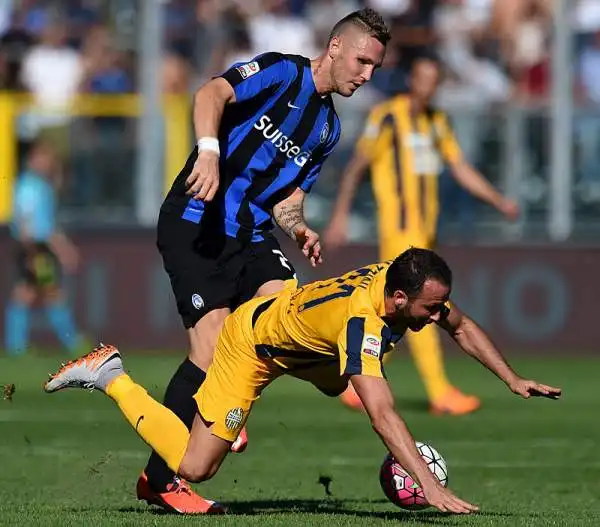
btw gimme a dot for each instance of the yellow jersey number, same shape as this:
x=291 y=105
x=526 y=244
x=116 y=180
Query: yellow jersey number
x=345 y=287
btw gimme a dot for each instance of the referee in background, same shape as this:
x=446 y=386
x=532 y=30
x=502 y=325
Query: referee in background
x=42 y=254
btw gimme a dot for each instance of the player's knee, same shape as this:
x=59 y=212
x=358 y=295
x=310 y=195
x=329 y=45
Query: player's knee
x=52 y=295
x=24 y=294
x=198 y=472
x=269 y=288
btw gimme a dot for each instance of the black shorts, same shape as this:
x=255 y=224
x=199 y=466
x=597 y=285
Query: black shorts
x=37 y=265
x=209 y=270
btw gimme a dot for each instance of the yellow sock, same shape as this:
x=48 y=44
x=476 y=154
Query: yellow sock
x=153 y=422
x=427 y=353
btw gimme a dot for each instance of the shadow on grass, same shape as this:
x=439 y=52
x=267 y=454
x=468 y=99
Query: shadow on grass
x=330 y=506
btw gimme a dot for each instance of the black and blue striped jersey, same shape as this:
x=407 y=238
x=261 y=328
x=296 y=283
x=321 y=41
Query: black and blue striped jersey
x=273 y=139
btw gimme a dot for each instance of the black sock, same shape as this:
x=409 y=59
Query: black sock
x=179 y=399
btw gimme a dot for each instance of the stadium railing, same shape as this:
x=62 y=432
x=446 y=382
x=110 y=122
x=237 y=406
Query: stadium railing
x=177 y=136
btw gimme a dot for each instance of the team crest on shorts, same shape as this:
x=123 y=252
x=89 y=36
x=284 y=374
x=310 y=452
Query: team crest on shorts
x=324 y=133
x=197 y=301
x=234 y=419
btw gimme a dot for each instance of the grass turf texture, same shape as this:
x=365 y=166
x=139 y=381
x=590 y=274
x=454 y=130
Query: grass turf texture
x=71 y=459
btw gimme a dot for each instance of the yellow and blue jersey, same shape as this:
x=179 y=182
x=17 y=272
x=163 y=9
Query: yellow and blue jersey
x=336 y=320
x=273 y=139
x=323 y=333
x=407 y=152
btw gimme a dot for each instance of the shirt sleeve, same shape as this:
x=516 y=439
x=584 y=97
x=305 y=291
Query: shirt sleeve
x=375 y=127
x=362 y=346
x=449 y=146
x=26 y=202
x=263 y=72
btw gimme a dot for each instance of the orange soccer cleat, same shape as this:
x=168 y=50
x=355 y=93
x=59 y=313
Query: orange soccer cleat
x=454 y=402
x=179 y=498
x=351 y=399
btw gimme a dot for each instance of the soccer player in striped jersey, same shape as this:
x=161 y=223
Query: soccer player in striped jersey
x=264 y=129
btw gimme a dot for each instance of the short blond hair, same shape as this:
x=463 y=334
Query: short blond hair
x=367 y=20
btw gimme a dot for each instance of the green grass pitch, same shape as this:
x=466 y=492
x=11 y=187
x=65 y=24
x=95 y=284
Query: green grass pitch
x=70 y=458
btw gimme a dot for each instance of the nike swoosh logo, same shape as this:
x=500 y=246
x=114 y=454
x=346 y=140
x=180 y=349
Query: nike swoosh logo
x=290 y=105
x=141 y=418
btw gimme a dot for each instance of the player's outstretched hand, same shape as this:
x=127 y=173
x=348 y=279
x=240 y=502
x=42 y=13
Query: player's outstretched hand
x=308 y=241
x=203 y=182
x=527 y=388
x=444 y=500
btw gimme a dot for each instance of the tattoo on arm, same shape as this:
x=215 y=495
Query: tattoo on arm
x=289 y=216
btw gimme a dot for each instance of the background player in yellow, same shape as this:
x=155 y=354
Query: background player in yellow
x=327 y=333
x=406 y=143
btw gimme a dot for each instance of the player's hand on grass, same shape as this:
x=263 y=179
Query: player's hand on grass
x=203 y=182
x=527 y=388
x=308 y=241
x=510 y=209
x=444 y=500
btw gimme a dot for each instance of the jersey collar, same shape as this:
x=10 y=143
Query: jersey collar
x=377 y=293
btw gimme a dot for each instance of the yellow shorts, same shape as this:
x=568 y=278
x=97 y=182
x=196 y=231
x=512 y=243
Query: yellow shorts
x=392 y=246
x=237 y=375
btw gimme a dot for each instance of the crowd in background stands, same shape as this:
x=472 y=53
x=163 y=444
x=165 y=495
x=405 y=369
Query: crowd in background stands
x=494 y=48
x=493 y=51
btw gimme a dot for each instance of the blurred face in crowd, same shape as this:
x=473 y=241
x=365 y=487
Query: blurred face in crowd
x=97 y=41
x=354 y=57
x=42 y=159
x=276 y=6
x=424 y=79
x=55 y=35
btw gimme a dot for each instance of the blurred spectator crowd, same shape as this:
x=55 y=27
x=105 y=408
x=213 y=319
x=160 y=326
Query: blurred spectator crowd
x=493 y=52
x=492 y=49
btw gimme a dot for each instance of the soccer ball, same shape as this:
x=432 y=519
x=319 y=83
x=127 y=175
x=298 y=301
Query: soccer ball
x=399 y=486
